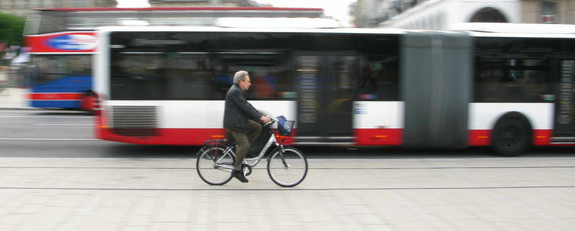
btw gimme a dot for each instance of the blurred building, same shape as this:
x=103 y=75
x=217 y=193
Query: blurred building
x=20 y=7
x=548 y=11
x=201 y=3
x=442 y=14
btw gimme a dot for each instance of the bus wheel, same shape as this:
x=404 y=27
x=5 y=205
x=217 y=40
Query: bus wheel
x=87 y=102
x=511 y=136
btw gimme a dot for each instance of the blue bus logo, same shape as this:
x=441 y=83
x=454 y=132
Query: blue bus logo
x=73 y=42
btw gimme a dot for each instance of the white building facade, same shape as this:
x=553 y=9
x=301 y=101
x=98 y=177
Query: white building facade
x=20 y=7
x=442 y=14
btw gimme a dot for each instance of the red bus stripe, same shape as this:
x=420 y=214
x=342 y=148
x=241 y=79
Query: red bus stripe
x=383 y=137
x=54 y=96
x=364 y=137
x=197 y=136
x=170 y=136
x=483 y=137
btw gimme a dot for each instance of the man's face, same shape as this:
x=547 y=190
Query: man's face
x=245 y=84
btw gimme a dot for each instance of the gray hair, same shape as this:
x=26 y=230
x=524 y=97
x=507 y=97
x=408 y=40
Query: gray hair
x=239 y=76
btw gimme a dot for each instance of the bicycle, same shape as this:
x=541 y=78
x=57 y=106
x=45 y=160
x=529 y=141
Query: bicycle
x=287 y=166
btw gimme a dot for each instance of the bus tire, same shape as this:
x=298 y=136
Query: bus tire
x=512 y=135
x=87 y=102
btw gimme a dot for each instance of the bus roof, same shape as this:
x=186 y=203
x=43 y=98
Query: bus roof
x=246 y=29
x=291 y=25
x=50 y=20
x=186 y=9
x=251 y=22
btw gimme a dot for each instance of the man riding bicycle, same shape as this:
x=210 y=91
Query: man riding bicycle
x=240 y=120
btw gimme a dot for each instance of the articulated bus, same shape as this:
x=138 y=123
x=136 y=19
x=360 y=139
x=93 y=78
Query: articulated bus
x=356 y=87
x=61 y=43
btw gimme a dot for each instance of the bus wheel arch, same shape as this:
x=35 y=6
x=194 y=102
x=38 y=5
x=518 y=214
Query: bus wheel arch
x=512 y=134
x=88 y=101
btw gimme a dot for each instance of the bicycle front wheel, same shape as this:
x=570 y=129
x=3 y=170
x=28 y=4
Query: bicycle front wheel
x=289 y=168
x=215 y=166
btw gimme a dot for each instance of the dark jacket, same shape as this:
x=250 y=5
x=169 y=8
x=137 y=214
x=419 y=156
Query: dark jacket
x=238 y=110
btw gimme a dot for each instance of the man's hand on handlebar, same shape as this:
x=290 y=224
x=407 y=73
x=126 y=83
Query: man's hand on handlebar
x=265 y=119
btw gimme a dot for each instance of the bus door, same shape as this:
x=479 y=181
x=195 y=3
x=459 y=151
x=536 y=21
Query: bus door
x=565 y=102
x=325 y=98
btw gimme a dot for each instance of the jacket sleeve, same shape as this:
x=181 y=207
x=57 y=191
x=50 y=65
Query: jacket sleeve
x=256 y=111
x=240 y=101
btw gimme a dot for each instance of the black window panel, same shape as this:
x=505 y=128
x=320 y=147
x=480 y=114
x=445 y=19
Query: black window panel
x=48 y=68
x=197 y=65
x=136 y=75
x=187 y=76
x=517 y=46
x=378 y=78
x=568 y=46
x=514 y=69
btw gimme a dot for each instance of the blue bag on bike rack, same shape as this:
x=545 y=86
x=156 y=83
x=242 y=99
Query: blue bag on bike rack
x=284 y=126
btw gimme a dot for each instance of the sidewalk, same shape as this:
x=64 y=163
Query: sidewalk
x=388 y=194
x=13 y=98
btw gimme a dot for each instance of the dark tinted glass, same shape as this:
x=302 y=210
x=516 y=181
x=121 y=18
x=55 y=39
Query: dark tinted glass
x=195 y=65
x=47 y=68
x=514 y=69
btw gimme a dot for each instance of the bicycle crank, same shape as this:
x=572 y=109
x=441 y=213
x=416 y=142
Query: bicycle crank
x=247 y=169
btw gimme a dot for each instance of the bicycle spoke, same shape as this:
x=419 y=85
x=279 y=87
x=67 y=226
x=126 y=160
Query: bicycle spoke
x=212 y=170
x=286 y=165
x=289 y=168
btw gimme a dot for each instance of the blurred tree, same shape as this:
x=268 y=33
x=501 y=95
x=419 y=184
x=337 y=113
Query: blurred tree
x=11 y=28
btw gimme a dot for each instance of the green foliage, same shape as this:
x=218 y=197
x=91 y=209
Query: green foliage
x=11 y=29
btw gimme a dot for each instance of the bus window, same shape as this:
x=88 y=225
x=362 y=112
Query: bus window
x=378 y=79
x=535 y=79
x=136 y=75
x=49 y=68
x=378 y=75
x=188 y=76
x=50 y=22
x=512 y=80
x=273 y=83
x=270 y=73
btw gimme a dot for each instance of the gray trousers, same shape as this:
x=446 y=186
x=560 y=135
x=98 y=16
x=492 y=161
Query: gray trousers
x=244 y=141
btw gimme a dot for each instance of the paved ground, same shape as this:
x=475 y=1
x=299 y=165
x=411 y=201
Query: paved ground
x=378 y=194
x=372 y=194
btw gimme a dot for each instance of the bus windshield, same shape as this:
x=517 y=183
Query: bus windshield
x=52 y=67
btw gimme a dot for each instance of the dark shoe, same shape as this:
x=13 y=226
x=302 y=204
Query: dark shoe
x=240 y=176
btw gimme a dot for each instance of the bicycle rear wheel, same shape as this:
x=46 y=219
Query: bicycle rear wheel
x=289 y=168
x=215 y=166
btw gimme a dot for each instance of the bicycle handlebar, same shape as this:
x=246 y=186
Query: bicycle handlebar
x=272 y=121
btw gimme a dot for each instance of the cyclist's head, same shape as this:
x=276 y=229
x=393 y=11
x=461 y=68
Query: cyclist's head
x=242 y=79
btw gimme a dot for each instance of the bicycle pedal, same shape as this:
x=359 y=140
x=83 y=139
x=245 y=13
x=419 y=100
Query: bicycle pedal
x=246 y=170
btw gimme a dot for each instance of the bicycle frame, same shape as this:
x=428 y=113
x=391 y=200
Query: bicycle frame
x=260 y=156
x=252 y=162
